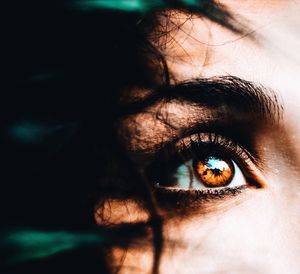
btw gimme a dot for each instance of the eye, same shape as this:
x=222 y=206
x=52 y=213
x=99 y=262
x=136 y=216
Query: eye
x=207 y=163
x=211 y=172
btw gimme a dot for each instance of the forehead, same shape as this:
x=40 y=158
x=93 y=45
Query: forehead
x=196 y=47
x=254 y=4
x=267 y=54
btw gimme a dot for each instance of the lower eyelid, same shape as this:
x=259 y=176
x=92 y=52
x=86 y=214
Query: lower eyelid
x=176 y=203
x=203 y=193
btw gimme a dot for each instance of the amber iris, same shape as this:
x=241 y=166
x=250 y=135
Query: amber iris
x=214 y=172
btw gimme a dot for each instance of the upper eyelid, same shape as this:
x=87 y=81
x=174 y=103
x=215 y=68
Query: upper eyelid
x=214 y=139
x=197 y=130
x=221 y=141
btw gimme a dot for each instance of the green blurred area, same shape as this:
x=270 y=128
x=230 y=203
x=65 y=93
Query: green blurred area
x=130 y=5
x=26 y=245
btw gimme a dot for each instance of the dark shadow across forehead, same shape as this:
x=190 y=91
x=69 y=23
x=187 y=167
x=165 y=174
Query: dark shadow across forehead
x=227 y=106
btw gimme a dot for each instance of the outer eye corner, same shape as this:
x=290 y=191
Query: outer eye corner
x=257 y=180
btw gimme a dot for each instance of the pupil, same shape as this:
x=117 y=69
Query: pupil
x=214 y=172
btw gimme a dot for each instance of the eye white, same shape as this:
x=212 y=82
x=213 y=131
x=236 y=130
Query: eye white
x=186 y=178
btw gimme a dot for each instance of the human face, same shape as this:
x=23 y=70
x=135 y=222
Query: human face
x=255 y=230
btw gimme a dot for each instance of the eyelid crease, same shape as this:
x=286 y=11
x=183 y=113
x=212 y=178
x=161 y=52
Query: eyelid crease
x=204 y=138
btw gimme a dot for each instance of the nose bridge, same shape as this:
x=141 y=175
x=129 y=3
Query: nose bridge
x=283 y=252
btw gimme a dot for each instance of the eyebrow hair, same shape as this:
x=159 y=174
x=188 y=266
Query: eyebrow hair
x=223 y=91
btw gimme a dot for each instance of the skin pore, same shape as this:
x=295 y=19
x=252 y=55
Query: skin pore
x=255 y=230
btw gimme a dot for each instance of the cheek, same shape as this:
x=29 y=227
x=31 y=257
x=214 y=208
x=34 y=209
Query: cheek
x=246 y=237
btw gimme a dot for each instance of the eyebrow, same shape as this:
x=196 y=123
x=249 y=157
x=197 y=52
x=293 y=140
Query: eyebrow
x=226 y=92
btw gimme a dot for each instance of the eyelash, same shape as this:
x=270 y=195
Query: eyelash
x=201 y=145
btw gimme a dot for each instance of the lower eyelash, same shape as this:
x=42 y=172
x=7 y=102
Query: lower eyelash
x=176 y=202
x=215 y=193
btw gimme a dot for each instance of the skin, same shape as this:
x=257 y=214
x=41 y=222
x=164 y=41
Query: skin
x=258 y=230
